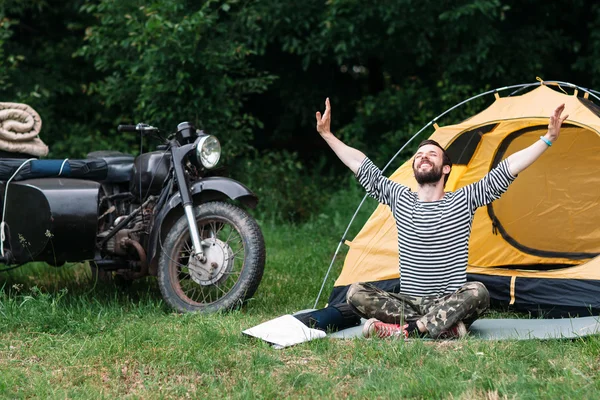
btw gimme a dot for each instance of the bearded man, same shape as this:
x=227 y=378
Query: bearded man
x=433 y=227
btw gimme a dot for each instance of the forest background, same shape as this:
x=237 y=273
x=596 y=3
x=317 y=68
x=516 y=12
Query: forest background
x=253 y=72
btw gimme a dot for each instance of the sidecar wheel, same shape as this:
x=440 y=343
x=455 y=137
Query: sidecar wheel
x=235 y=257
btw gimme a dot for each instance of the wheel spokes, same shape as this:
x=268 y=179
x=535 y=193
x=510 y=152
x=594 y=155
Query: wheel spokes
x=229 y=273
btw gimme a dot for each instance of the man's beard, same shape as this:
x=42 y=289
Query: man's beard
x=426 y=177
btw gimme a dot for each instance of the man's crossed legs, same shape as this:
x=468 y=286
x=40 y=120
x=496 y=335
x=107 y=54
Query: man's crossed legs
x=436 y=315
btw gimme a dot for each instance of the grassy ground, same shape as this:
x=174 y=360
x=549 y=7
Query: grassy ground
x=64 y=336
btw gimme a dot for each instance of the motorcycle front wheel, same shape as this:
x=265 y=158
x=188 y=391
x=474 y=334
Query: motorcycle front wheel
x=232 y=266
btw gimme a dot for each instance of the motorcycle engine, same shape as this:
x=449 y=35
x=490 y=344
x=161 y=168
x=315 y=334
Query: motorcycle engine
x=136 y=230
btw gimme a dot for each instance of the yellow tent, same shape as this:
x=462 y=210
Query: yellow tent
x=538 y=246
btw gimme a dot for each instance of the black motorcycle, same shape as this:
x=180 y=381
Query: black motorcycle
x=156 y=214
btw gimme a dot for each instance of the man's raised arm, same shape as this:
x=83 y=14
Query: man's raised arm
x=524 y=158
x=350 y=156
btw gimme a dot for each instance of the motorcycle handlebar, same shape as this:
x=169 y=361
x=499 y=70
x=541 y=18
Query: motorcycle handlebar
x=141 y=128
x=127 y=128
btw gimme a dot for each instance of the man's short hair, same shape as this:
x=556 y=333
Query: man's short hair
x=445 y=158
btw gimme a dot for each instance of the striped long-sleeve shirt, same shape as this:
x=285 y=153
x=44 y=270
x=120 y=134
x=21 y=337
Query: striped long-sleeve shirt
x=433 y=236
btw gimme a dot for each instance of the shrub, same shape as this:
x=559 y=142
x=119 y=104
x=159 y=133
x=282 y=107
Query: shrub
x=288 y=189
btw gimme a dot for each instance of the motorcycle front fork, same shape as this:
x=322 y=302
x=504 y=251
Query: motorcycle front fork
x=178 y=154
x=193 y=226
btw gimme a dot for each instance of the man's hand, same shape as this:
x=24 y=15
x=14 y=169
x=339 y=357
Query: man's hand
x=350 y=156
x=324 y=123
x=520 y=160
x=555 y=123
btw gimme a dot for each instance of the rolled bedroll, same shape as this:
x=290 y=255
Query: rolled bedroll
x=20 y=127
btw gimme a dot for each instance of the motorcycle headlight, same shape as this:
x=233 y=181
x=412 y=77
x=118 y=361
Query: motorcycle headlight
x=208 y=151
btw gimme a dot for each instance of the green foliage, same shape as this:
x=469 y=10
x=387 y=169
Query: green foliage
x=167 y=62
x=590 y=47
x=255 y=72
x=286 y=189
x=7 y=62
x=45 y=75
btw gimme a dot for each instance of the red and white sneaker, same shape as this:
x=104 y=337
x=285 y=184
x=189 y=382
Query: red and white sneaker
x=376 y=328
x=457 y=331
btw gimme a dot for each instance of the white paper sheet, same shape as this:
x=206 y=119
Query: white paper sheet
x=284 y=331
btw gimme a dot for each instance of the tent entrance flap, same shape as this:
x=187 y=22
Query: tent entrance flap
x=550 y=211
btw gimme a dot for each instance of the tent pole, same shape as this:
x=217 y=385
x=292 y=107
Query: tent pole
x=590 y=91
x=337 y=251
x=519 y=87
x=568 y=84
x=358 y=209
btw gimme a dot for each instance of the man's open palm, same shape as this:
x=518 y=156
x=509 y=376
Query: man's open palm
x=324 y=122
x=556 y=122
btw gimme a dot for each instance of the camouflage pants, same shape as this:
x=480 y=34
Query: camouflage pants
x=437 y=314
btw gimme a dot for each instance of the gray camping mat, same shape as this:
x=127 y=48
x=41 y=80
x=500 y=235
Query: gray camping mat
x=517 y=329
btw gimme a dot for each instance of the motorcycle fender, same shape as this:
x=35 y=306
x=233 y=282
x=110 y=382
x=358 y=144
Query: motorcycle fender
x=205 y=190
x=216 y=187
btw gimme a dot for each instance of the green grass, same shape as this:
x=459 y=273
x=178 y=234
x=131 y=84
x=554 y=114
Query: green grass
x=64 y=336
